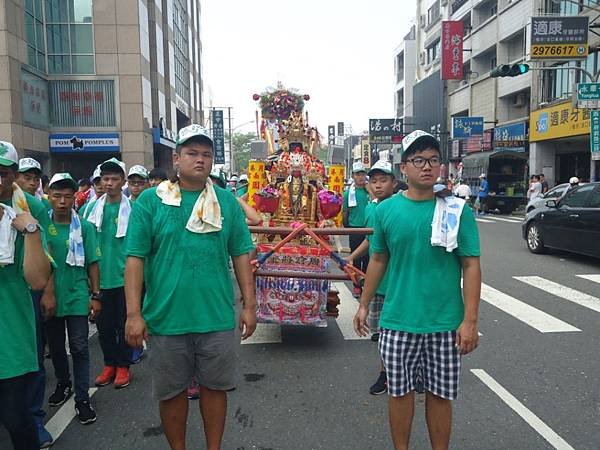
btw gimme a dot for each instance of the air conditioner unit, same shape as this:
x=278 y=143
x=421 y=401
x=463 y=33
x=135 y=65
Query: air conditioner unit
x=422 y=58
x=519 y=100
x=422 y=21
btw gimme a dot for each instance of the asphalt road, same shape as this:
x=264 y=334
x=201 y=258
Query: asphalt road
x=532 y=384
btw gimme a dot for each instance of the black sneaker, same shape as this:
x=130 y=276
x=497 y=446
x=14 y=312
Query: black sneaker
x=61 y=394
x=85 y=412
x=375 y=337
x=380 y=386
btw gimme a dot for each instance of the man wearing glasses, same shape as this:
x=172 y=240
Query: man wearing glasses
x=137 y=181
x=427 y=322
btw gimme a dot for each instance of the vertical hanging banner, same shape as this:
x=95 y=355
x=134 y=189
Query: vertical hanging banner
x=453 y=32
x=218 y=135
x=257 y=179
x=365 y=152
x=336 y=177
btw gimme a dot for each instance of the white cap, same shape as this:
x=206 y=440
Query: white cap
x=382 y=166
x=573 y=180
x=418 y=135
x=61 y=177
x=8 y=154
x=138 y=170
x=243 y=177
x=482 y=175
x=26 y=164
x=190 y=131
x=97 y=173
x=358 y=167
x=113 y=162
x=233 y=178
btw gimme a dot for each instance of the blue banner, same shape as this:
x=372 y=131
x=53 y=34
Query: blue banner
x=466 y=127
x=510 y=133
x=218 y=135
x=84 y=143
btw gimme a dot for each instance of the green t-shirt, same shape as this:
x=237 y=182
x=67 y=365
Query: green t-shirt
x=46 y=203
x=18 y=345
x=425 y=296
x=71 y=282
x=370 y=223
x=356 y=214
x=112 y=259
x=86 y=209
x=187 y=278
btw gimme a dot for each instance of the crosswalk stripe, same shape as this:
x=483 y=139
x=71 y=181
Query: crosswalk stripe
x=484 y=221
x=265 y=333
x=61 y=420
x=347 y=309
x=594 y=278
x=544 y=323
x=572 y=295
x=503 y=219
x=527 y=415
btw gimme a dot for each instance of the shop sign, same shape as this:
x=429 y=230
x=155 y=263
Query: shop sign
x=588 y=95
x=456 y=149
x=331 y=134
x=82 y=103
x=559 y=38
x=34 y=100
x=365 y=152
x=386 y=131
x=595 y=135
x=452 y=50
x=218 y=135
x=558 y=121
x=511 y=137
x=84 y=143
x=466 y=127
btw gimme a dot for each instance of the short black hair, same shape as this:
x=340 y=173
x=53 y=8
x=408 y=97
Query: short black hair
x=45 y=180
x=112 y=171
x=84 y=182
x=542 y=175
x=422 y=144
x=157 y=172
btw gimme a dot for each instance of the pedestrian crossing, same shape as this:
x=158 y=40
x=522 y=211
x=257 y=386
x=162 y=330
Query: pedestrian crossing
x=490 y=218
x=517 y=308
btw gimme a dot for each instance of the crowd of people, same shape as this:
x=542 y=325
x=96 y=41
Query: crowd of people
x=128 y=249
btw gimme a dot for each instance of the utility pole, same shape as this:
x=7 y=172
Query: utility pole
x=231 y=160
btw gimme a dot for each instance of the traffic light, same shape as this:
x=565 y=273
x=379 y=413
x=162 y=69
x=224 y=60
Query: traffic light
x=506 y=70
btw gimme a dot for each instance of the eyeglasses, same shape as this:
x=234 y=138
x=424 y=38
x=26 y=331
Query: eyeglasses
x=419 y=163
x=137 y=182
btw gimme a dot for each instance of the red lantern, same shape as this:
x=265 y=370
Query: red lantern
x=256 y=97
x=306 y=97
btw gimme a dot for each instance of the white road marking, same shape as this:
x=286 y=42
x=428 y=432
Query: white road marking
x=529 y=417
x=60 y=421
x=347 y=309
x=544 y=323
x=503 y=219
x=266 y=333
x=572 y=295
x=484 y=221
x=594 y=278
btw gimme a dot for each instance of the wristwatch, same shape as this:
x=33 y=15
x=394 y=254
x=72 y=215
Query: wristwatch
x=31 y=228
x=95 y=296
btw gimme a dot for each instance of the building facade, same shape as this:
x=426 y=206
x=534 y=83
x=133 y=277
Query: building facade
x=84 y=80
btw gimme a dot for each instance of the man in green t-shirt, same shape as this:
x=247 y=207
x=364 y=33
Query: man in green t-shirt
x=356 y=199
x=110 y=215
x=86 y=209
x=181 y=237
x=23 y=266
x=72 y=244
x=137 y=181
x=426 y=243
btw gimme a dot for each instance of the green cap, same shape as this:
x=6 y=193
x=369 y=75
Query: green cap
x=58 y=177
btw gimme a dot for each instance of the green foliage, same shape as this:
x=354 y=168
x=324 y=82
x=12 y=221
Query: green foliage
x=241 y=150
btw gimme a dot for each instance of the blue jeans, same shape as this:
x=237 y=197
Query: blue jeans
x=37 y=385
x=77 y=327
x=15 y=414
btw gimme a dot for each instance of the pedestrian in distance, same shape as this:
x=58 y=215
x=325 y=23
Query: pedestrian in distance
x=382 y=181
x=24 y=265
x=98 y=191
x=72 y=244
x=110 y=215
x=427 y=243
x=535 y=188
x=355 y=200
x=544 y=183
x=182 y=235
x=83 y=193
x=137 y=180
x=157 y=176
x=482 y=195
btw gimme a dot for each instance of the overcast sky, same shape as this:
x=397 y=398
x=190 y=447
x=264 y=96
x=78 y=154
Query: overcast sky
x=339 y=52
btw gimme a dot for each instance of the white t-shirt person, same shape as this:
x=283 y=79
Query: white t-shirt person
x=535 y=190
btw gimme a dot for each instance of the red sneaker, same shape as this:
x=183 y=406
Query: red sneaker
x=107 y=376
x=356 y=291
x=123 y=377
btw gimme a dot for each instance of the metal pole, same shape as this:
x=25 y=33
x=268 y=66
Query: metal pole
x=231 y=162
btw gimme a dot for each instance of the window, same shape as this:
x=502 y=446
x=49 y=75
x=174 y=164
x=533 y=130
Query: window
x=556 y=192
x=568 y=7
x=493 y=62
x=182 y=61
x=433 y=13
x=579 y=197
x=34 y=34
x=433 y=52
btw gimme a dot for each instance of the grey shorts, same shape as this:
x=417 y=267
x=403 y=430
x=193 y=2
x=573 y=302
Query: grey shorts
x=175 y=360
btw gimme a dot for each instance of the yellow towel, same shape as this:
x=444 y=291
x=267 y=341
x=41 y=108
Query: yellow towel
x=19 y=202
x=206 y=214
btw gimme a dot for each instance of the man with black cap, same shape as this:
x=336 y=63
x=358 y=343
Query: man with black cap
x=427 y=243
x=23 y=265
x=72 y=244
x=181 y=237
x=110 y=214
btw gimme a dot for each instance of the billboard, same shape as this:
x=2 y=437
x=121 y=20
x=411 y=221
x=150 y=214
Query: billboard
x=452 y=50
x=386 y=131
x=466 y=127
x=558 y=121
x=84 y=143
x=558 y=38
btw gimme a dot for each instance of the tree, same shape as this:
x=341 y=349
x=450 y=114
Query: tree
x=241 y=150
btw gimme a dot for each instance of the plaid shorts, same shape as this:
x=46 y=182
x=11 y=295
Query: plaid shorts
x=375 y=308
x=421 y=362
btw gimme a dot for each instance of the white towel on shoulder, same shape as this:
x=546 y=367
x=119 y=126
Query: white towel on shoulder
x=446 y=222
x=352 y=196
x=97 y=214
x=8 y=235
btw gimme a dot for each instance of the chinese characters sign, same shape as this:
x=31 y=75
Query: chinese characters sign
x=257 y=179
x=82 y=103
x=588 y=95
x=558 y=121
x=559 y=38
x=218 y=136
x=34 y=100
x=331 y=134
x=365 y=153
x=466 y=127
x=452 y=50
x=595 y=135
x=385 y=131
x=511 y=137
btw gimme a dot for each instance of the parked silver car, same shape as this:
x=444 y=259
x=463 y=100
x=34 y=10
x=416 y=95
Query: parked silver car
x=555 y=193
